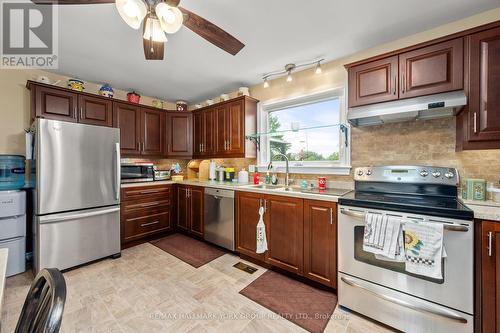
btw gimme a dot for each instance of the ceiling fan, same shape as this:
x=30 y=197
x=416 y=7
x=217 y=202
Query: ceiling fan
x=161 y=17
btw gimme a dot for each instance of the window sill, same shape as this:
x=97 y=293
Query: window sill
x=311 y=170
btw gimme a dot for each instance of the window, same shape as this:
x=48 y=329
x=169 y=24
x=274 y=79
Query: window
x=309 y=130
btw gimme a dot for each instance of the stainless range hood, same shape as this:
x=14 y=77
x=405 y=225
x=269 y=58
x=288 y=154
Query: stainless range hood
x=426 y=107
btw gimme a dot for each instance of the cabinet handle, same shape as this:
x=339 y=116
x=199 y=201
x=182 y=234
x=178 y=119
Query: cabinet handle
x=475 y=122
x=395 y=84
x=331 y=215
x=265 y=205
x=403 y=84
x=75 y=112
x=81 y=112
x=490 y=244
x=150 y=223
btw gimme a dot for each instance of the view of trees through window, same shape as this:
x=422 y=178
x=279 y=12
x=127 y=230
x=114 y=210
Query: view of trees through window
x=297 y=140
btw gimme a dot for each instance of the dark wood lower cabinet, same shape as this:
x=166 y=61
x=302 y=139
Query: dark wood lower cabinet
x=320 y=248
x=301 y=234
x=190 y=209
x=146 y=211
x=487 y=276
x=247 y=207
x=285 y=230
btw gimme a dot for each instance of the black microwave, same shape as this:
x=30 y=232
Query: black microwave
x=135 y=173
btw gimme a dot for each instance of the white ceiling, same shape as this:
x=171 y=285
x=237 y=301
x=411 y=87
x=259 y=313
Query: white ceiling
x=96 y=45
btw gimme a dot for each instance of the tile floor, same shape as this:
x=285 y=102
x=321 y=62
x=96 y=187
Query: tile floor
x=148 y=290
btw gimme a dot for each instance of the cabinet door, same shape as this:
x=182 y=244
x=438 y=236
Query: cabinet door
x=489 y=287
x=180 y=136
x=55 y=104
x=433 y=69
x=484 y=87
x=374 y=82
x=152 y=126
x=221 y=133
x=210 y=130
x=183 y=208
x=320 y=242
x=95 y=110
x=199 y=133
x=285 y=232
x=128 y=119
x=235 y=128
x=247 y=216
x=196 y=210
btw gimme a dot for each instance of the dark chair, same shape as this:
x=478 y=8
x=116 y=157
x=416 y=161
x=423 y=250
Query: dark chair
x=44 y=306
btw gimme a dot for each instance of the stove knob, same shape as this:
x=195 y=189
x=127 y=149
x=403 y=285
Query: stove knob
x=424 y=173
x=449 y=175
x=436 y=174
x=360 y=173
x=368 y=172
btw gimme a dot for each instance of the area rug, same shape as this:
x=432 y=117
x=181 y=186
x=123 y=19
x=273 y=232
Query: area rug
x=191 y=251
x=306 y=306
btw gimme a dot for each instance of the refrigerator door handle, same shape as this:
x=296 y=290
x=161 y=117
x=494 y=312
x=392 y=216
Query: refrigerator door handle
x=75 y=216
x=117 y=171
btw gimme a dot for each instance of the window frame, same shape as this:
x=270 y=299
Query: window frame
x=340 y=167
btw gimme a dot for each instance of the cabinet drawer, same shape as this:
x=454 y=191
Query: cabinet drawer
x=138 y=226
x=145 y=204
x=143 y=192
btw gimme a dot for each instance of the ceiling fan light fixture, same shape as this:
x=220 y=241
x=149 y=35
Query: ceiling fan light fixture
x=132 y=12
x=170 y=18
x=153 y=30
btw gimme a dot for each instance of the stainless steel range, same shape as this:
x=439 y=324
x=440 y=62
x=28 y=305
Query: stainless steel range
x=384 y=290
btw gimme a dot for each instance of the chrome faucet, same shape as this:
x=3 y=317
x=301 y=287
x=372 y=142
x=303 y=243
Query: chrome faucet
x=287 y=169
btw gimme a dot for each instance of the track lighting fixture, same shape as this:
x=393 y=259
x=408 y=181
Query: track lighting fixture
x=290 y=68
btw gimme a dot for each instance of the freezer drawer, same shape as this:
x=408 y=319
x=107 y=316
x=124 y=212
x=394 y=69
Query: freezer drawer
x=16 y=262
x=70 y=239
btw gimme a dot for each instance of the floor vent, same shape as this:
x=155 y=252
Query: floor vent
x=246 y=268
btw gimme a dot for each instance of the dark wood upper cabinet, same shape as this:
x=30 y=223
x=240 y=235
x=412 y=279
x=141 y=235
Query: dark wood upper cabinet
x=484 y=87
x=199 y=133
x=54 y=103
x=487 y=276
x=320 y=242
x=430 y=70
x=153 y=128
x=128 y=119
x=285 y=229
x=179 y=134
x=95 y=110
x=374 y=82
x=220 y=130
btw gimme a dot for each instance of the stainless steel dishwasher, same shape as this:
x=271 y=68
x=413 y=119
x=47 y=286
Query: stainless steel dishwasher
x=219 y=217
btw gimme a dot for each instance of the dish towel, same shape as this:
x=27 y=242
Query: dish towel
x=261 y=233
x=424 y=248
x=381 y=235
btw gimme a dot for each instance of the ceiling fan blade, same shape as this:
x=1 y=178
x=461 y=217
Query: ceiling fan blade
x=71 y=2
x=211 y=32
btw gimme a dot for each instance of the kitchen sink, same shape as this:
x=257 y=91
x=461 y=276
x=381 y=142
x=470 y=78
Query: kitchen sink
x=268 y=187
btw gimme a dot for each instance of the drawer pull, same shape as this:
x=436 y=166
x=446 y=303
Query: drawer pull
x=149 y=223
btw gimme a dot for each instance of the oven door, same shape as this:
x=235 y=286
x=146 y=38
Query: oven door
x=455 y=290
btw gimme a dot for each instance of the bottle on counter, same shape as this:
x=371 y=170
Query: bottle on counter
x=268 y=178
x=256 y=178
x=243 y=176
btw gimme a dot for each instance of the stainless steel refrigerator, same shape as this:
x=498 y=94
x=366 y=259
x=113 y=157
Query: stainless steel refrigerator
x=77 y=195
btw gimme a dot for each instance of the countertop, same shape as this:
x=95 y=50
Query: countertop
x=3 y=271
x=484 y=210
x=246 y=188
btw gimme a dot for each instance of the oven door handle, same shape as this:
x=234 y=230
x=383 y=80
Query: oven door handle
x=361 y=216
x=420 y=308
x=358 y=215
